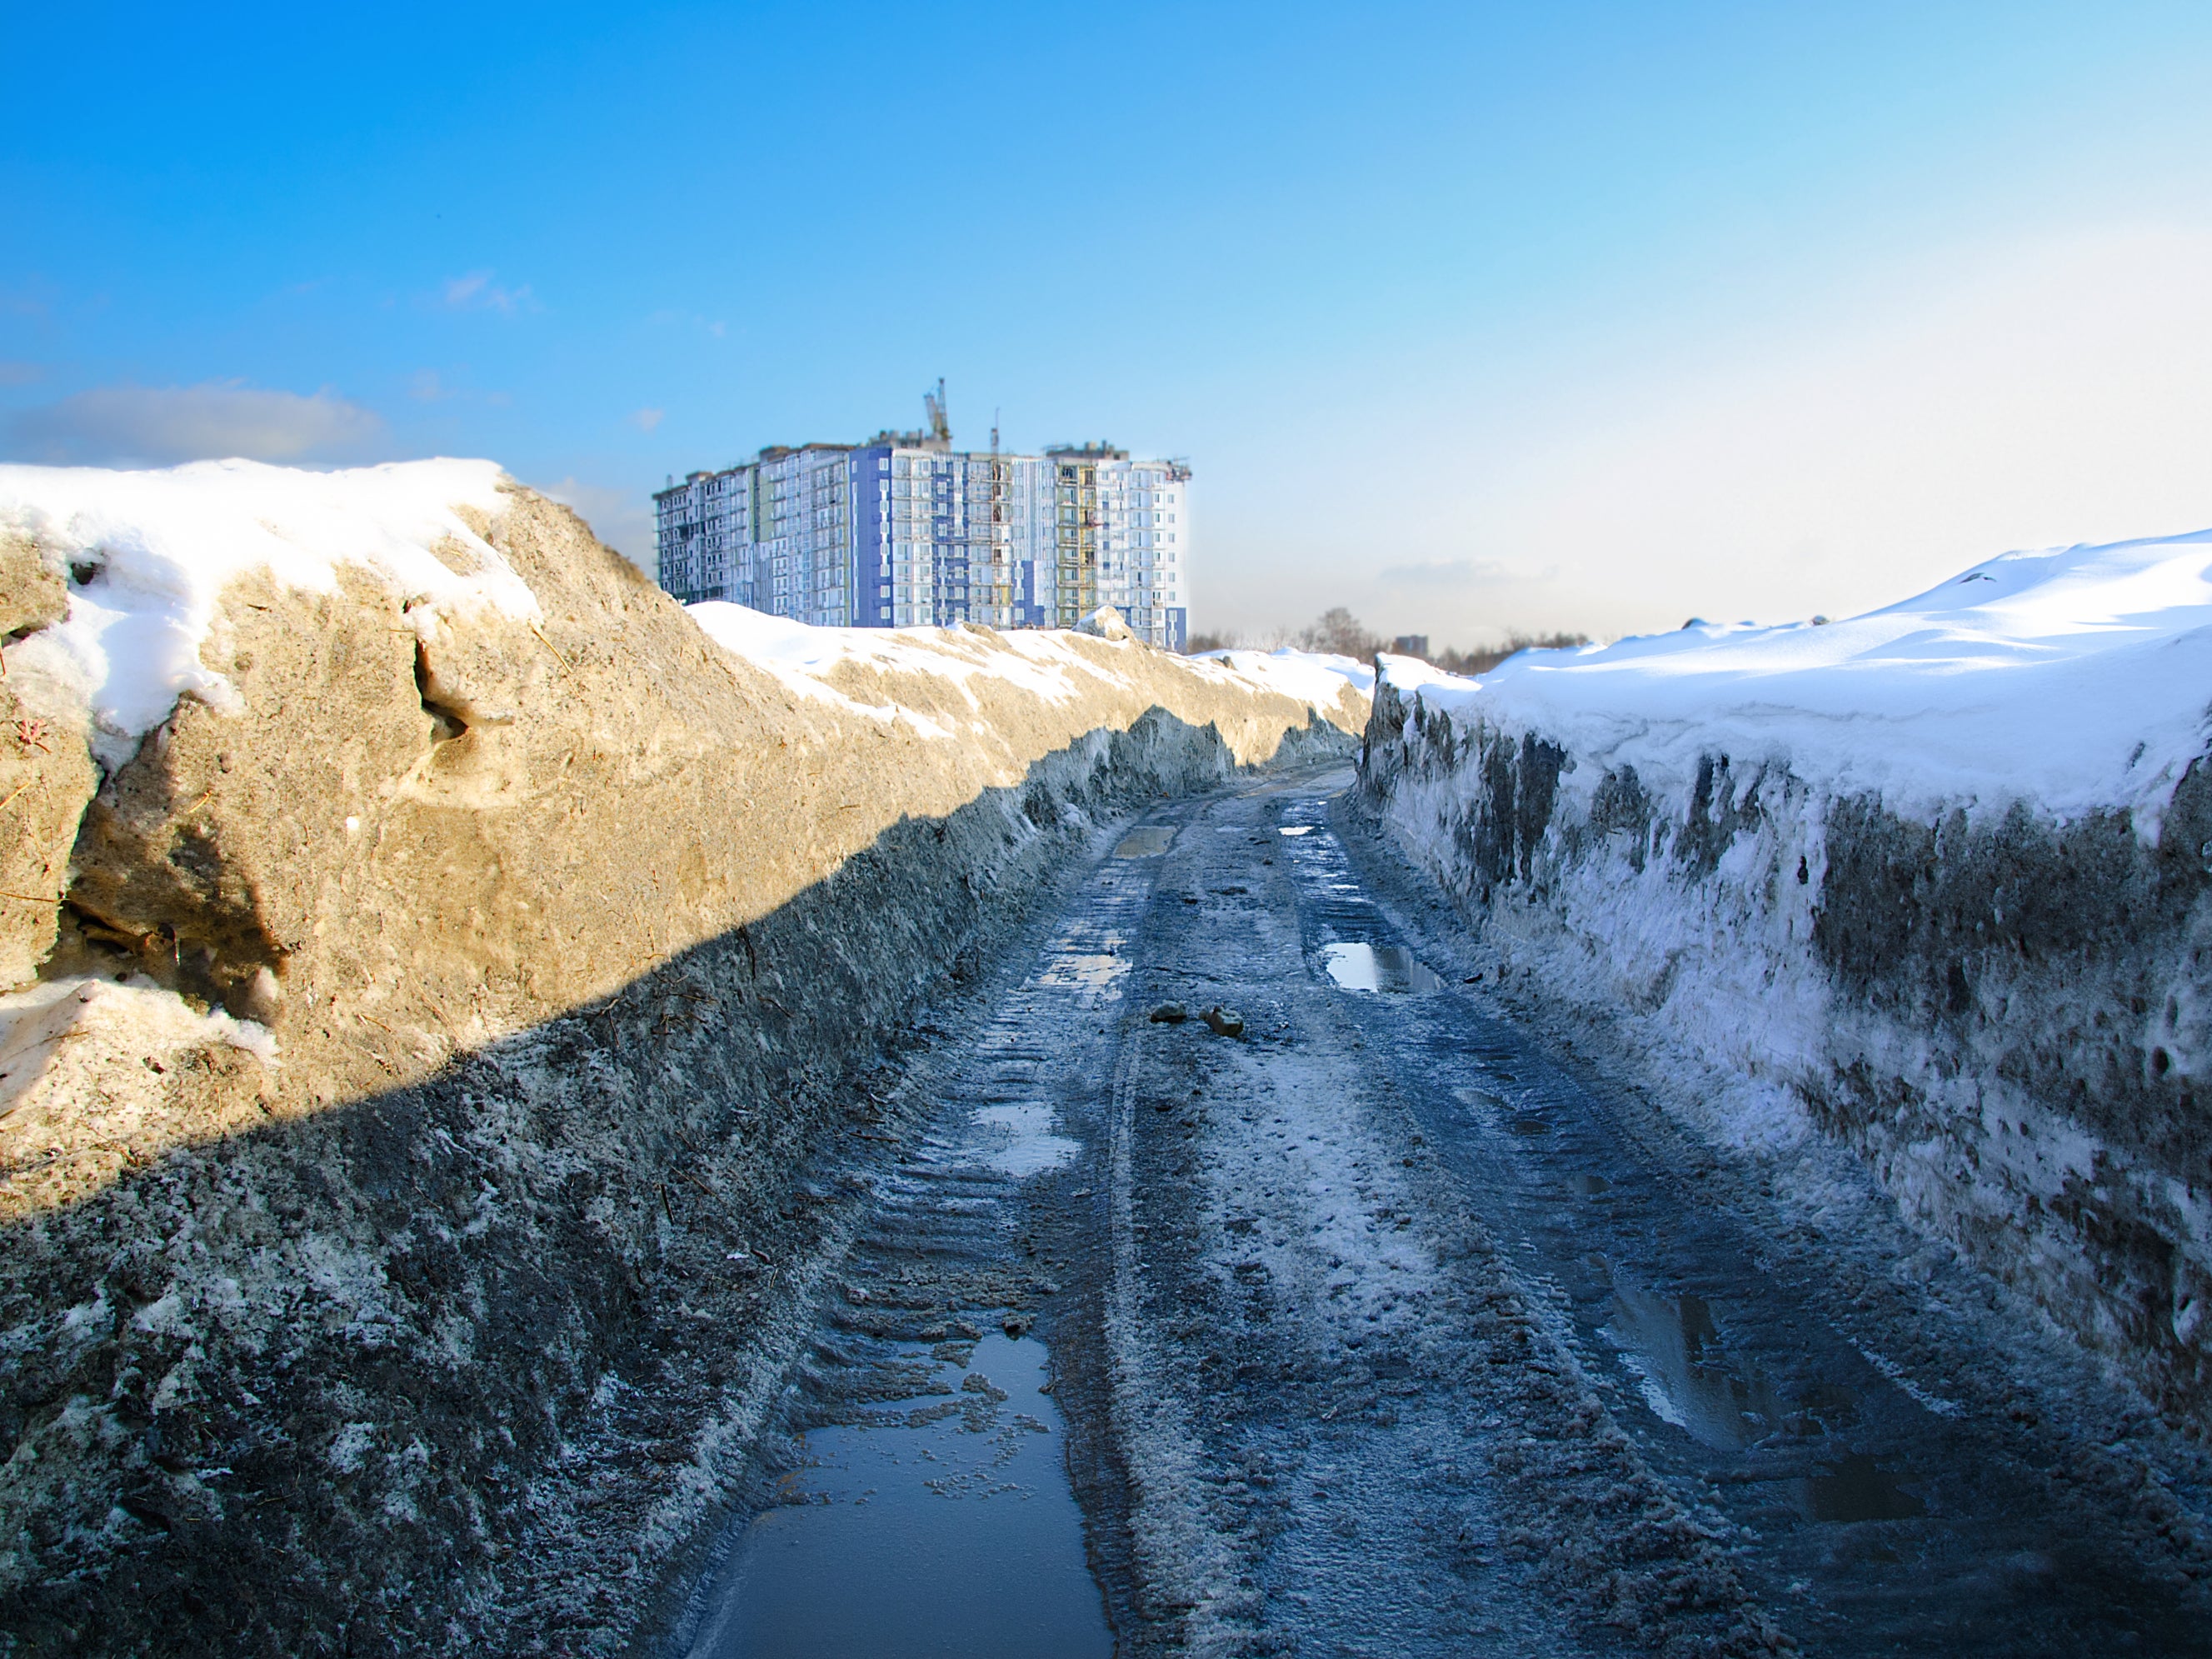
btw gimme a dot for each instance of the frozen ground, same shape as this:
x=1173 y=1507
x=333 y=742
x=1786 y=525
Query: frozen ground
x=1399 y=1324
x=150 y=554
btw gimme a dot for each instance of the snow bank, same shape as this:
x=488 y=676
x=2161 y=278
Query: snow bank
x=2073 y=678
x=1935 y=881
x=1048 y=663
x=155 y=549
x=569 y=925
x=1305 y=674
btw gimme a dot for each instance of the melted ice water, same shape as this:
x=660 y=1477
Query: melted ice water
x=1388 y=968
x=946 y=1528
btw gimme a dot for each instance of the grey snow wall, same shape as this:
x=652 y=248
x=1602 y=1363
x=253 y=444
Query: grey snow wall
x=2005 y=1015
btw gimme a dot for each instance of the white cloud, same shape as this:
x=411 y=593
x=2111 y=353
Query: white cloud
x=1442 y=572
x=645 y=420
x=476 y=291
x=137 y=425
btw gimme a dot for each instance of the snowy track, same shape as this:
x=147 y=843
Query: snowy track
x=1392 y=1328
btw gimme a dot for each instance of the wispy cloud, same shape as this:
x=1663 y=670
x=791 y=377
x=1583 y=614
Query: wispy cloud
x=476 y=291
x=428 y=386
x=138 y=425
x=1444 y=573
x=21 y=374
x=645 y=420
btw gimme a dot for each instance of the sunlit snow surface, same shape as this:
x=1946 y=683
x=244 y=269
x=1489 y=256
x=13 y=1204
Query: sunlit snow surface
x=2072 y=678
x=155 y=549
x=1044 y=662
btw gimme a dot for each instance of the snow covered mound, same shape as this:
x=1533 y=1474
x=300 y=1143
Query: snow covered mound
x=2072 y=678
x=815 y=662
x=1295 y=673
x=430 y=837
x=155 y=550
x=1935 y=881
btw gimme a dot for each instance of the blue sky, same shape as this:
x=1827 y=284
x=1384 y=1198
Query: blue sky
x=1584 y=316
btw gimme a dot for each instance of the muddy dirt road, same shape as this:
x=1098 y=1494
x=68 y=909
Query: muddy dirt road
x=1399 y=1321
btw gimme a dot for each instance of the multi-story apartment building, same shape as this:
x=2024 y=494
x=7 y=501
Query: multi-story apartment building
x=904 y=530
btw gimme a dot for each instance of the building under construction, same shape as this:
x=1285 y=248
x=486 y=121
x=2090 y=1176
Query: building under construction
x=904 y=530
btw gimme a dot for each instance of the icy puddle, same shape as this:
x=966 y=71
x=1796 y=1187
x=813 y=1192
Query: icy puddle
x=944 y=1527
x=1673 y=1346
x=1028 y=1146
x=1148 y=842
x=1389 y=969
x=1093 y=971
x=1686 y=1378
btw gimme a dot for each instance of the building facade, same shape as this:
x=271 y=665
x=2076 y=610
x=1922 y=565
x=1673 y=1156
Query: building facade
x=904 y=530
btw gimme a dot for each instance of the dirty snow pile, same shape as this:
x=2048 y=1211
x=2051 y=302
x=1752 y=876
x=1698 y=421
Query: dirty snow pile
x=155 y=550
x=150 y=553
x=2072 y=678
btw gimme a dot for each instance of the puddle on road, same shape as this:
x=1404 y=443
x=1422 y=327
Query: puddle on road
x=1095 y=970
x=1674 y=1348
x=1029 y=1147
x=950 y=1531
x=1148 y=842
x=1389 y=968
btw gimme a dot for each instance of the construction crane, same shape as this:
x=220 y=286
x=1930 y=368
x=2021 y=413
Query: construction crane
x=940 y=423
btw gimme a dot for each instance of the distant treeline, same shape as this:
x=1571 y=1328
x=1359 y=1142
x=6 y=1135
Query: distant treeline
x=1338 y=630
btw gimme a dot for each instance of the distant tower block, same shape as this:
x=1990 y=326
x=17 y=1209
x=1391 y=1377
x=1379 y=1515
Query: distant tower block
x=903 y=531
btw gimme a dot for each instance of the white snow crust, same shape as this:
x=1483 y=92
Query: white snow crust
x=167 y=542
x=1311 y=675
x=2072 y=678
x=1045 y=662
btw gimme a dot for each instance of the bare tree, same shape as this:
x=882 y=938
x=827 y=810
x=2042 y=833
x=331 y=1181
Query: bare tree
x=1338 y=631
